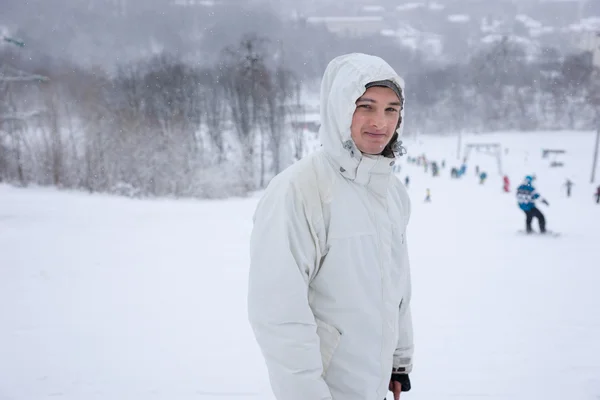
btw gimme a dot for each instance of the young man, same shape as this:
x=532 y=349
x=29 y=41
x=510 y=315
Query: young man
x=329 y=287
x=526 y=196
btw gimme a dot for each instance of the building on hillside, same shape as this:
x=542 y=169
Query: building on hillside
x=114 y=7
x=350 y=26
x=591 y=42
x=557 y=13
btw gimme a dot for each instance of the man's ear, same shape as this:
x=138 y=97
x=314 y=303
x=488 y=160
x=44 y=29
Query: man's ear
x=388 y=150
x=399 y=122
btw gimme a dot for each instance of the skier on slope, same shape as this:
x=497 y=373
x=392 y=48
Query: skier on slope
x=526 y=196
x=427 y=196
x=506 y=182
x=482 y=177
x=435 y=169
x=569 y=185
x=329 y=289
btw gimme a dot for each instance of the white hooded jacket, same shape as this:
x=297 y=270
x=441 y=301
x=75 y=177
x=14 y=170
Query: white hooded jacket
x=329 y=286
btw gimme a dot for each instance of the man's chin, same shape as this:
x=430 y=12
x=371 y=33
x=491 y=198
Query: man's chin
x=372 y=151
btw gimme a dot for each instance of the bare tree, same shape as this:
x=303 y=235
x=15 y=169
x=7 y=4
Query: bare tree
x=173 y=104
x=297 y=121
x=15 y=88
x=576 y=75
x=215 y=110
x=55 y=147
x=244 y=78
x=279 y=91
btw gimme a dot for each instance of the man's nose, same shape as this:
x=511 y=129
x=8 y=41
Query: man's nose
x=378 y=120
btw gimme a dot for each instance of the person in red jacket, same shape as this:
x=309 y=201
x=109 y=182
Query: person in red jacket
x=506 y=184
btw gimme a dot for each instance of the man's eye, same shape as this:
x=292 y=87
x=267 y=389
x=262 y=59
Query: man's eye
x=364 y=106
x=392 y=109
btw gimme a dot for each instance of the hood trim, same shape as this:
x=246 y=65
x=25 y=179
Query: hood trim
x=344 y=81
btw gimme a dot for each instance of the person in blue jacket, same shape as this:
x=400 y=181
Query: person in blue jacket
x=526 y=196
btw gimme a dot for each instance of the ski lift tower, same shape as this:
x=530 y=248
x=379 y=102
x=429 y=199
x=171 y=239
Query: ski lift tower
x=492 y=149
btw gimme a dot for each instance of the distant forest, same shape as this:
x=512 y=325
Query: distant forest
x=218 y=112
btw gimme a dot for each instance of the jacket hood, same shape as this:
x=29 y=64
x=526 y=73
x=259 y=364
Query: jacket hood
x=343 y=83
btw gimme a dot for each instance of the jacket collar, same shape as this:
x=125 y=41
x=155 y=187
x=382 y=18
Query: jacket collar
x=371 y=171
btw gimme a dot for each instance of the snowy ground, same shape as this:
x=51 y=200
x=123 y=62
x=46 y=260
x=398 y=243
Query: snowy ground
x=110 y=298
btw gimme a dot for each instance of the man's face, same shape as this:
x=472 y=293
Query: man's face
x=375 y=119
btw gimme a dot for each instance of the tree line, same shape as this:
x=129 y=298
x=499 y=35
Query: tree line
x=157 y=127
x=163 y=126
x=502 y=87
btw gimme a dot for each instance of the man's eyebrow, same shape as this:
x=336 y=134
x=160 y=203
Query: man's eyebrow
x=368 y=100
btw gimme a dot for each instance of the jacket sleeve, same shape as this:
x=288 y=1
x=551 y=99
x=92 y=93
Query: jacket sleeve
x=283 y=259
x=404 y=349
x=403 y=356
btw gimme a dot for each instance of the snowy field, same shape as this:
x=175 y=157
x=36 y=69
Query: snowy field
x=110 y=298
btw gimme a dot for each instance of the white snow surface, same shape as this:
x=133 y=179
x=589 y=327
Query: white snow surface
x=490 y=26
x=459 y=18
x=373 y=8
x=528 y=21
x=111 y=298
x=436 y=6
x=591 y=24
x=410 y=6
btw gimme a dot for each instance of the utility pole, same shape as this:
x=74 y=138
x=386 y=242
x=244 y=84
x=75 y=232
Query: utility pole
x=595 y=60
x=595 y=162
x=459 y=145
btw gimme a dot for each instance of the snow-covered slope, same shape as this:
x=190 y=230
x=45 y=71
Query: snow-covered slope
x=111 y=298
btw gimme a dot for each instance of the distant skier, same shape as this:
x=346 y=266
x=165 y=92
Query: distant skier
x=406 y=181
x=569 y=184
x=454 y=173
x=526 y=196
x=506 y=186
x=482 y=177
x=435 y=170
x=597 y=195
x=427 y=196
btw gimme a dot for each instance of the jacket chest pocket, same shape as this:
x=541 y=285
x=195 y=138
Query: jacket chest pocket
x=329 y=338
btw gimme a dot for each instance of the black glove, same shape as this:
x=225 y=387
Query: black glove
x=403 y=379
x=545 y=202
